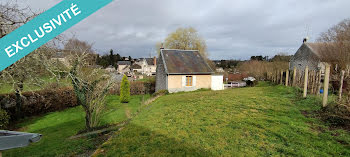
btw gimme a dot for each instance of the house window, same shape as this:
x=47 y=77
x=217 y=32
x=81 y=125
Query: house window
x=189 y=80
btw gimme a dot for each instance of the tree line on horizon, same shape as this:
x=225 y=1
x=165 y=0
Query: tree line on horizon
x=110 y=59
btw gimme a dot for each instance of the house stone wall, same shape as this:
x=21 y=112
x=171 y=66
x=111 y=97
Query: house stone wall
x=123 y=68
x=161 y=76
x=304 y=57
x=176 y=83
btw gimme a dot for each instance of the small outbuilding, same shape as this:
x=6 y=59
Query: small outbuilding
x=185 y=70
x=309 y=54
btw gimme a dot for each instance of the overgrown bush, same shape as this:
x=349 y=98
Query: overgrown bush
x=252 y=83
x=125 y=90
x=136 y=88
x=91 y=85
x=337 y=114
x=259 y=69
x=4 y=119
x=39 y=102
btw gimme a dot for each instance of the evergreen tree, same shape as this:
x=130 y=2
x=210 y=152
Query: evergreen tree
x=111 y=57
x=125 y=90
x=118 y=57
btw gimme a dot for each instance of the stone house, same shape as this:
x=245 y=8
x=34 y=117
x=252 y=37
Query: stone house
x=110 y=69
x=136 y=68
x=124 y=67
x=60 y=57
x=148 y=66
x=308 y=55
x=185 y=70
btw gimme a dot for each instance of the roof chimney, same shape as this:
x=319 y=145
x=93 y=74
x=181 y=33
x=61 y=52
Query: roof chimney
x=305 y=40
x=155 y=61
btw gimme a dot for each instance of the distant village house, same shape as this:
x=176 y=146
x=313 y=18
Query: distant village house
x=124 y=67
x=110 y=69
x=148 y=66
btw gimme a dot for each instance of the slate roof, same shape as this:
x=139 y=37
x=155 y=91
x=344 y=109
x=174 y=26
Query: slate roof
x=136 y=66
x=150 y=61
x=315 y=47
x=184 y=62
x=124 y=63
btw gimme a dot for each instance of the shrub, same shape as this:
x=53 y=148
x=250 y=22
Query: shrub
x=39 y=102
x=252 y=83
x=4 y=119
x=259 y=69
x=336 y=114
x=125 y=90
x=136 y=88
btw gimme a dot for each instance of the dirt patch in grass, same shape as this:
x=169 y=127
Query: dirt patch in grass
x=343 y=127
x=320 y=116
x=310 y=114
x=97 y=140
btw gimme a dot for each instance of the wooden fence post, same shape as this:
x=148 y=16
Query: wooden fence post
x=287 y=77
x=319 y=82
x=306 y=77
x=341 y=84
x=279 y=77
x=294 y=76
x=281 y=81
x=325 y=86
x=312 y=76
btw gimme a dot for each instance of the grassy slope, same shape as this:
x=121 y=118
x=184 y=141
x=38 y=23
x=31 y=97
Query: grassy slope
x=259 y=121
x=57 y=127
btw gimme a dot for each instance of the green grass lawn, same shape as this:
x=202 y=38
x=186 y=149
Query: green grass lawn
x=57 y=127
x=258 y=121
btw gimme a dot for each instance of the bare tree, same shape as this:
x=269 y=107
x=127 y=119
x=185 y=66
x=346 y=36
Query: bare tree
x=336 y=45
x=91 y=87
x=26 y=71
x=259 y=69
x=185 y=39
x=12 y=16
x=90 y=84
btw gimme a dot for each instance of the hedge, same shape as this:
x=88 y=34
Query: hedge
x=39 y=102
x=136 y=88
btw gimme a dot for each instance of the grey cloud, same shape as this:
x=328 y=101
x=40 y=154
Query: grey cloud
x=232 y=29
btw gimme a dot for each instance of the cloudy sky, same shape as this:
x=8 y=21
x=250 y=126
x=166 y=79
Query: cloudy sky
x=233 y=29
